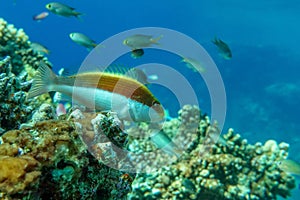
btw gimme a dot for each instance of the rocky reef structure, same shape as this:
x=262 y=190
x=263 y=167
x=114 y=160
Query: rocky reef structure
x=223 y=169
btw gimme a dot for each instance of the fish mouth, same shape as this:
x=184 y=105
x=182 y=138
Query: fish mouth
x=125 y=42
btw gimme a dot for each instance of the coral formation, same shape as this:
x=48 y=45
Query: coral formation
x=15 y=43
x=228 y=169
x=79 y=155
x=17 y=173
x=17 y=65
x=49 y=158
x=103 y=136
x=13 y=108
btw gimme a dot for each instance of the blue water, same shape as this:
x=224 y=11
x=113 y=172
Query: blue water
x=261 y=80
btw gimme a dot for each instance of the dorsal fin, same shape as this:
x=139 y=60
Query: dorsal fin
x=134 y=73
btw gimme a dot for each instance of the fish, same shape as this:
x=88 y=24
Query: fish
x=40 y=16
x=193 y=64
x=60 y=109
x=83 y=40
x=223 y=48
x=290 y=166
x=165 y=143
x=137 y=53
x=130 y=99
x=37 y=47
x=62 y=9
x=141 y=76
x=140 y=41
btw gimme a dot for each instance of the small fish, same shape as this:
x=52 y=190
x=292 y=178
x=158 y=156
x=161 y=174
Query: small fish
x=193 y=64
x=140 y=41
x=130 y=99
x=164 y=142
x=137 y=53
x=37 y=47
x=62 y=9
x=60 y=109
x=83 y=40
x=290 y=166
x=40 y=16
x=223 y=48
x=141 y=76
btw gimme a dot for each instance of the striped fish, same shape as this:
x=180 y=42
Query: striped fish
x=102 y=91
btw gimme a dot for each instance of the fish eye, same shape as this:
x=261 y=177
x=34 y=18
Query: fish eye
x=49 y=6
x=155 y=103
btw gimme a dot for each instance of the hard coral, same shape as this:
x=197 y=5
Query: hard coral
x=13 y=108
x=15 y=43
x=228 y=169
x=64 y=164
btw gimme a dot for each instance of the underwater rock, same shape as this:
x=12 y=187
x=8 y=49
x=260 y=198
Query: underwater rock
x=232 y=169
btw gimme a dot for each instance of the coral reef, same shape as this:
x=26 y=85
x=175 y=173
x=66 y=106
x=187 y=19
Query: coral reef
x=83 y=155
x=15 y=43
x=13 y=108
x=49 y=159
x=17 y=66
x=228 y=169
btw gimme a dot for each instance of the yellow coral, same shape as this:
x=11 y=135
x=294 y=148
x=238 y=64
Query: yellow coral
x=17 y=173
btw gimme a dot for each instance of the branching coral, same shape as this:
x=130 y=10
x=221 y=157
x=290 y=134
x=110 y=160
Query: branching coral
x=13 y=109
x=17 y=65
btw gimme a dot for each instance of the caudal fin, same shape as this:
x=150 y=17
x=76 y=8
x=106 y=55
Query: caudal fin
x=155 y=40
x=43 y=81
x=78 y=15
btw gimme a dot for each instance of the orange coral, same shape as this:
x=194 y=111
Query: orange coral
x=17 y=173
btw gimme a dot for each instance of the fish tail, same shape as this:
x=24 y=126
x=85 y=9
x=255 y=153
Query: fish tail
x=215 y=40
x=155 y=40
x=43 y=81
x=78 y=15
